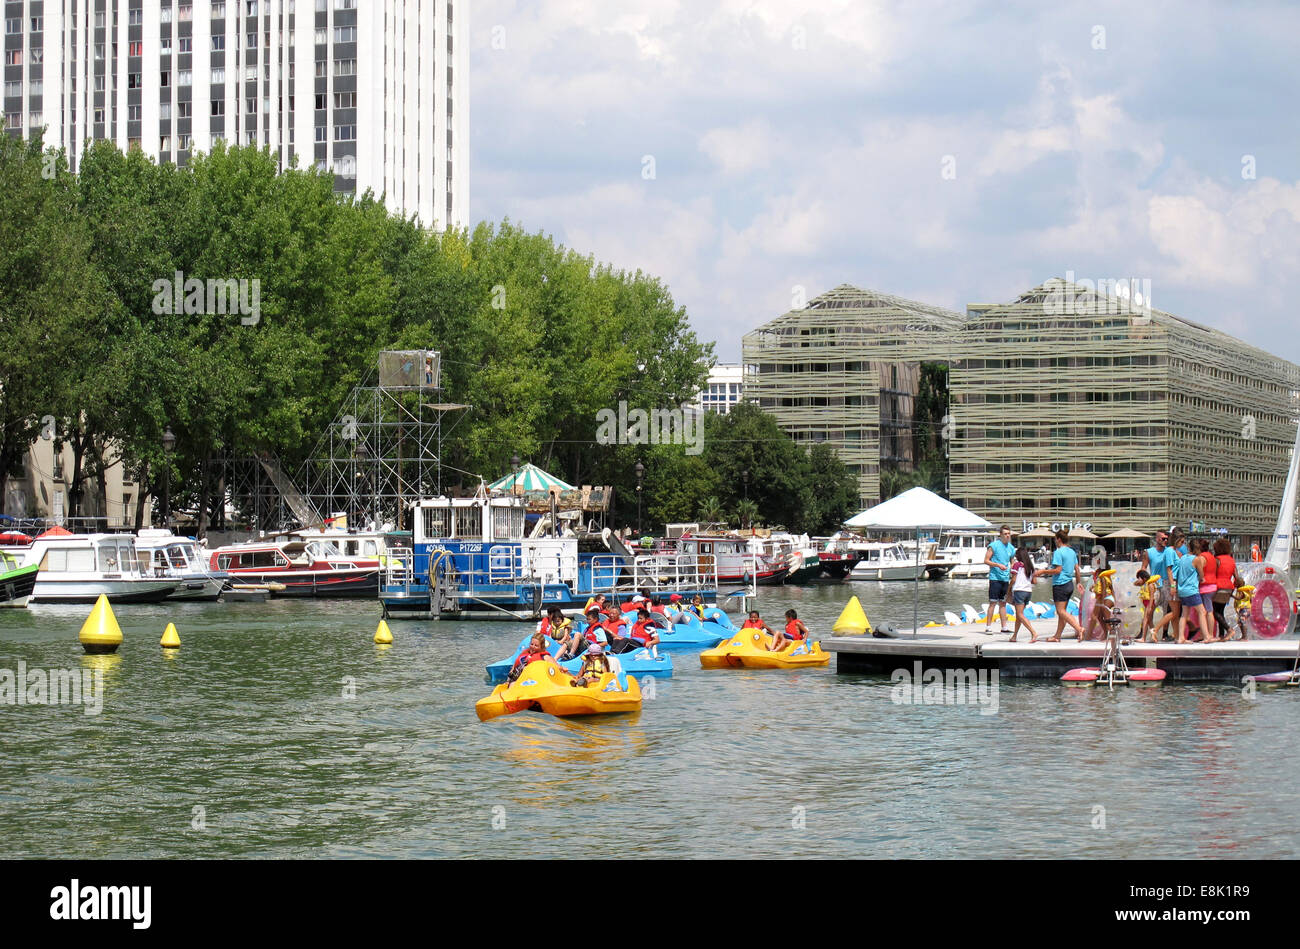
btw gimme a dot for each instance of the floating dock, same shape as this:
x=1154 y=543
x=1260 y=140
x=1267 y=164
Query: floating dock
x=969 y=647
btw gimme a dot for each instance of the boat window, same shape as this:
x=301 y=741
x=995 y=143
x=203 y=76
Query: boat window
x=81 y=560
x=223 y=561
x=108 y=558
x=262 y=558
x=350 y=548
x=176 y=554
x=55 y=561
x=437 y=523
x=371 y=549
x=469 y=523
x=507 y=523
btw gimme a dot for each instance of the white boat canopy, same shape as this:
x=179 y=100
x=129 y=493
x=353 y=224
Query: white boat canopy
x=917 y=508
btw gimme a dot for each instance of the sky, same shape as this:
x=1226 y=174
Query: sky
x=752 y=152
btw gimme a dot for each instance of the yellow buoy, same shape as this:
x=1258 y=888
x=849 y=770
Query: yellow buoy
x=383 y=635
x=853 y=620
x=100 y=632
x=171 y=639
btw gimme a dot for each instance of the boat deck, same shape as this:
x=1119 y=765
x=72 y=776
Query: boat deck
x=967 y=646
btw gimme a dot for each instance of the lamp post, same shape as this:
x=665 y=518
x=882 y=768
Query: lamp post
x=640 y=477
x=514 y=466
x=168 y=443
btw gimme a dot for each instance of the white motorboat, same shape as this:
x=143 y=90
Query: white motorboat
x=78 y=568
x=179 y=558
x=885 y=561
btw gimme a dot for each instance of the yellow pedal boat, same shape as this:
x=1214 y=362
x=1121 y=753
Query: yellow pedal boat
x=545 y=687
x=749 y=649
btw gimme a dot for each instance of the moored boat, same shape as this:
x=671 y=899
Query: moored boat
x=179 y=558
x=79 y=568
x=16 y=580
x=268 y=564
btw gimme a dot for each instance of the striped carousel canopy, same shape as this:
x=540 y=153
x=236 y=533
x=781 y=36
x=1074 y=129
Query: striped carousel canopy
x=531 y=478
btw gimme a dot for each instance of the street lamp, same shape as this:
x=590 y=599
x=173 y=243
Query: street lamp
x=640 y=477
x=514 y=465
x=168 y=443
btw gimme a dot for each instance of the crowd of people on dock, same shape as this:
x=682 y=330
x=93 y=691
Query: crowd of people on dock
x=1189 y=581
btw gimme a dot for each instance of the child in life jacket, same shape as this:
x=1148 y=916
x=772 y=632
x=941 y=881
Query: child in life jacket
x=536 y=651
x=594 y=665
x=795 y=631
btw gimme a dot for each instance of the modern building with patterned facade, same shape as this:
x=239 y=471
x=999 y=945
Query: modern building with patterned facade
x=845 y=370
x=375 y=90
x=1066 y=405
x=1070 y=405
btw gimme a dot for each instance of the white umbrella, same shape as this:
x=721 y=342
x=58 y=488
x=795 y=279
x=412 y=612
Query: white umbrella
x=917 y=509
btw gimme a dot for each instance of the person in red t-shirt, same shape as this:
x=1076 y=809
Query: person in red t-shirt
x=795 y=631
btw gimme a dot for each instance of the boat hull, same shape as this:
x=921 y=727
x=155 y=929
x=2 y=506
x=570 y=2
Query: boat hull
x=16 y=586
x=544 y=687
x=357 y=584
x=896 y=572
x=89 y=591
x=749 y=650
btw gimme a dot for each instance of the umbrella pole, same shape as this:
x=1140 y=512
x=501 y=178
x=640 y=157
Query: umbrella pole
x=916 y=586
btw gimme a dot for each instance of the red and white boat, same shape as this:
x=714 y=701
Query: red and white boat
x=298 y=568
x=735 y=561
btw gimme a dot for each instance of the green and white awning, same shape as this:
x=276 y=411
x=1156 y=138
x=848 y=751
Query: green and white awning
x=531 y=479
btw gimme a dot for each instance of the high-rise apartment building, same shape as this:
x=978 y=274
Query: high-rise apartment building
x=375 y=90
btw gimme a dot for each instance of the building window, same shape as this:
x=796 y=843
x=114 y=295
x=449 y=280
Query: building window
x=164 y=80
x=345 y=67
x=322 y=37
x=133 y=80
x=165 y=143
x=218 y=75
x=135 y=48
x=135 y=17
x=185 y=13
x=219 y=11
x=184 y=77
x=13 y=57
x=14 y=26
x=38 y=24
x=166 y=14
x=133 y=113
x=322 y=134
x=164 y=111
x=345 y=133
x=345 y=100
x=165 y=46
x=218 y=106
x=184 y=110
x=218 y=42
x=186 y=44
x=345 y=34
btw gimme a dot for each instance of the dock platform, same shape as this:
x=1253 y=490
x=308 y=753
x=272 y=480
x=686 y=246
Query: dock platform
x=969 y=647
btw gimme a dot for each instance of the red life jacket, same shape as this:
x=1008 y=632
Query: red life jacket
x=527 y=656
x=792 y=630
x=643 y=630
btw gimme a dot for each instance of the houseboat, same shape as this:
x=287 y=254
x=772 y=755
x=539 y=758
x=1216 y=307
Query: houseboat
x=79 y=568
x=836 y=559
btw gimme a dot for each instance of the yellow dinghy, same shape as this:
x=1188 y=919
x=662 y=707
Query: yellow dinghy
x=545 y=687
x=749 y=649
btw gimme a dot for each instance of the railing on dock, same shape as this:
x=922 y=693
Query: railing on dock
x=399 y=568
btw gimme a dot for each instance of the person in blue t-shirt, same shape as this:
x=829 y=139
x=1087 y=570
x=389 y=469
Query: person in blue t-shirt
x=1158 y=561
x=999 y=555
x=1064 y=572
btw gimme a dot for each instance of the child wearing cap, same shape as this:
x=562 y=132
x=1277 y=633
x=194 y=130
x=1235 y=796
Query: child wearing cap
x=594 y=665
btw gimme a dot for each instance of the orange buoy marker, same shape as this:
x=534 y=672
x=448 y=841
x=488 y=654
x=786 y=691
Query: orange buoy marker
x=100 y=633
x=383 y=635
x=853 y=620
x=171 y=639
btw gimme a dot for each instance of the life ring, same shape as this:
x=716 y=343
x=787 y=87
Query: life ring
x=1271 y=591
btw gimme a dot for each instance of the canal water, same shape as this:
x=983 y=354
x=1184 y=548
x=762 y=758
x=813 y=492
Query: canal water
x=280 y=730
